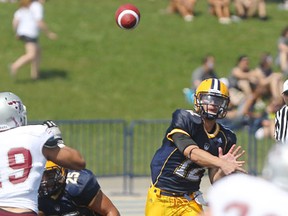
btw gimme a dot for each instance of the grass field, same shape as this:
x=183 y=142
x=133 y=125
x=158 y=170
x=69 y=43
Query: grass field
x=97 y=70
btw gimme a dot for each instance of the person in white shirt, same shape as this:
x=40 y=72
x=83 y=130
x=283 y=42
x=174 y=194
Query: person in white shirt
x=24 y=152
x=246 y=195
x=27 y=22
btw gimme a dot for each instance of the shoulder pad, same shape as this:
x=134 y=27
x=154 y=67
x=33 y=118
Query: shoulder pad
x=196 y=118
x=82 y=186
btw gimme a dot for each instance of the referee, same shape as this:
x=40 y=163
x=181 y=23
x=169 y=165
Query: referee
x=281 y=118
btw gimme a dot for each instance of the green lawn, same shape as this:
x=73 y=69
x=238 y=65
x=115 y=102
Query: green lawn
x=96 y=70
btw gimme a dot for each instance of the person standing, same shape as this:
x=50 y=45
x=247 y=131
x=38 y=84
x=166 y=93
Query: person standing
x=27 y=22
x=37 y=8
x=281 y=117
x=27 y=31
x=193 y=142
x=72 y=192
x=24 y=151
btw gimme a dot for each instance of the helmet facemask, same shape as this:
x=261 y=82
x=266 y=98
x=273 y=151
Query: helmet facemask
x=207 y=102
x=212 y=99
x=53 y=181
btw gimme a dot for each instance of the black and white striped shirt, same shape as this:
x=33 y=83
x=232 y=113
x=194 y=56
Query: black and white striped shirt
x=281 y=124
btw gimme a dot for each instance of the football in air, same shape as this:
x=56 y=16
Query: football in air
x=127 y=16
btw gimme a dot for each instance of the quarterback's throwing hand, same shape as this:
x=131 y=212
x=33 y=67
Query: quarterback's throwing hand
x=232 y=156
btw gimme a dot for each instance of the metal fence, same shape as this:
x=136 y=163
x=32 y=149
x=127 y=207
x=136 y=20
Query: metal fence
x=119 y=148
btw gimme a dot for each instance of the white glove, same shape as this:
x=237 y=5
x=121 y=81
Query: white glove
x=55 y=130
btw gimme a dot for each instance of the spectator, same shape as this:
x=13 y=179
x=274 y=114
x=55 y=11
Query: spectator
x=281 y=119
x=204 y=71
x=184 y=7
x=24 y=151
x=193 y=142
x=269 y=83
x=266 y=127
x=64 y=192
x=241 y=194
x=235 y=119
x=241 y=85
x=250 y=8
x=282 y=57
x=241 y=78
x=267 y=78
x=221 y=9
x=27 y=22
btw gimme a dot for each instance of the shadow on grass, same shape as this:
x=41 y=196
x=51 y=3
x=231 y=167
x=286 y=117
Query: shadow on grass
x=46 y=75
x=53 y=73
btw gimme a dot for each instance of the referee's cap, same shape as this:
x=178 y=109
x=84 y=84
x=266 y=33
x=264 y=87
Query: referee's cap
x=285 y=86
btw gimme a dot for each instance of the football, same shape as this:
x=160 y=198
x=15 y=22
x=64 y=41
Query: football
x=127 y=16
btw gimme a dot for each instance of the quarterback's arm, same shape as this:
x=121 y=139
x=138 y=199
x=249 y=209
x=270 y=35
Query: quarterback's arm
x=190 y=150
x=205 y=159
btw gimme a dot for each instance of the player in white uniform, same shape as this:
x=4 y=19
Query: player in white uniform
x=245 y=195
x=24 y=151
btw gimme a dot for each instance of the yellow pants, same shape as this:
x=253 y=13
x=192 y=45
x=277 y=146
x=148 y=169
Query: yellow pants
x=160 y=205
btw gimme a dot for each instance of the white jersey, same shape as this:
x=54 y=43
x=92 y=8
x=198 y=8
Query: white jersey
x=22 y=164
x=245 y=195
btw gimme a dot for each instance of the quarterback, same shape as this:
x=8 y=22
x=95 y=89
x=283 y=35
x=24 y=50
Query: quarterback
x=193 y=142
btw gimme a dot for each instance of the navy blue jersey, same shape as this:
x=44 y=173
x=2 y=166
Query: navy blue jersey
x=170 y=169
x=81 y=187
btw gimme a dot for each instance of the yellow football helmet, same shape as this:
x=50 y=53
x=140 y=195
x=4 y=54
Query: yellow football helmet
x=53 y=180
x=215 y=93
